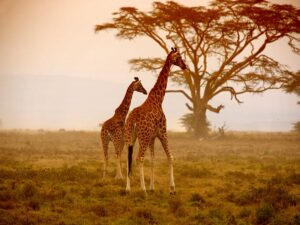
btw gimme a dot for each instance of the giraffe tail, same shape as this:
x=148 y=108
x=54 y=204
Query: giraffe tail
x=130 y=151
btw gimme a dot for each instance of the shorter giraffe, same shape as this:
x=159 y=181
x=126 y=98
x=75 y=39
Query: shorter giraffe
x=113 y=128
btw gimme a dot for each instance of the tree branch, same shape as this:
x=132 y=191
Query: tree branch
x=182 y=92
x=213 y=109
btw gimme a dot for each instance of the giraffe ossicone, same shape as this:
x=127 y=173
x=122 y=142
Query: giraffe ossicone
x=113 y=129
x=148 y=122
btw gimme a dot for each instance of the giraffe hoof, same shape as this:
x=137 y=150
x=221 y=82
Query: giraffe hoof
x=151 y=191
x=119 y=176
x=172 y=190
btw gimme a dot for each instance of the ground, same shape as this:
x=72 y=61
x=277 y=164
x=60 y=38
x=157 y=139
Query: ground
x=243 y=178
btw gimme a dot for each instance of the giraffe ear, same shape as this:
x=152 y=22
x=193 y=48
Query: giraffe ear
x=136 y=78
x=173 y=50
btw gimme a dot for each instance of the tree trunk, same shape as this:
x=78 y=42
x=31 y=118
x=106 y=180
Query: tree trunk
x=200 y=123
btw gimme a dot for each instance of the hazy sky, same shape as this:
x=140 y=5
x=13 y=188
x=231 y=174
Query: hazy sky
x=55 y=72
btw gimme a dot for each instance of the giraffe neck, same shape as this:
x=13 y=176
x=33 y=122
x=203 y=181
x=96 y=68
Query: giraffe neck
x=157 y=93
x=123 y=109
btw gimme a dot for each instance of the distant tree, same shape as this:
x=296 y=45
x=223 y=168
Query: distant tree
x=223 y=45
x=187 y=121
x=293 y=86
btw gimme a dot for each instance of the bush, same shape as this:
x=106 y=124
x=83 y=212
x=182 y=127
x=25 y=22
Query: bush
x=264 y=213
x=145 y=214
x=34 y=204
x=197 y=200
x=176 y=207
x=29 y=190
x=216 y=214
x=276 y=195
x=297 y=127
x=174 y=204
x=5 y=195
x=294 y=178
x=297 y=219
x=99 y=210
x=245 y=213
x=230 y=219
x=196 y=197
x=200 y=218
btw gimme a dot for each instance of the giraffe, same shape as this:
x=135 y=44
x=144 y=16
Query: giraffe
x=113 y=128
x=147 y=122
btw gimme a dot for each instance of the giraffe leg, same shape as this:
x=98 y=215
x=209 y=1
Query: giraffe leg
x=130 y=147
x=152 y=165
x=129 y=161
x=140 y=160
x=105 y=141
x=118 y=144
x=164 y=141
x=141 y=170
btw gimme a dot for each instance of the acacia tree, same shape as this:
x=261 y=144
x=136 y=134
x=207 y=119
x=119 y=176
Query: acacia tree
x=223 y=44
x=293 y=86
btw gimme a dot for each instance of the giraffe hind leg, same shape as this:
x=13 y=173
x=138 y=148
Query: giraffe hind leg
x=118 y=144
x=144 y=144
x=152 y=165
x=130 y=147
x=105 y=142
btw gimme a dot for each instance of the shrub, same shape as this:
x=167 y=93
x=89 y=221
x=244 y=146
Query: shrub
x=297 y=127
x=99 y=210
x=174 y=204
x=29 y=190
x=5 y=195
x=197 y=200
x=264 y=213
x=146 y=215
x=280 y=198
x=216 y=214
x=276 y=195
x=280 y=219
x=294 y=178
x=230 y=219
x=34 y=203
x=176 y=207
x=196 y=197
x=244 y=213
x=297 y=219
x=200 y=218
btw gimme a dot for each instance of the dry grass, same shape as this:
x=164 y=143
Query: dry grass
x=55 y=178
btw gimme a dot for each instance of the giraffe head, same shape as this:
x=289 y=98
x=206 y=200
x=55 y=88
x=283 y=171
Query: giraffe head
x=137 y=86
x=176 y=59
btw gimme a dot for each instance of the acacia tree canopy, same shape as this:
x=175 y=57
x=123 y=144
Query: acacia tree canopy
x=223 y=44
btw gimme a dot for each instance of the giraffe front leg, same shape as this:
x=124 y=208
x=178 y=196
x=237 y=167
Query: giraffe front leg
x=105 y=142
x=118 y=144
x=119 y=174
x=152 y=166
x=164 y=141
x=129 y=162
x=141 y=170
x=172 y=183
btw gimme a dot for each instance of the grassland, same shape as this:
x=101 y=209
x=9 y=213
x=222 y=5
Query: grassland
x=56 y=178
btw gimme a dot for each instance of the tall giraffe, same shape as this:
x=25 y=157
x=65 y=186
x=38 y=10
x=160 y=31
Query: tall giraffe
x=148 y=121
x=113 y=128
